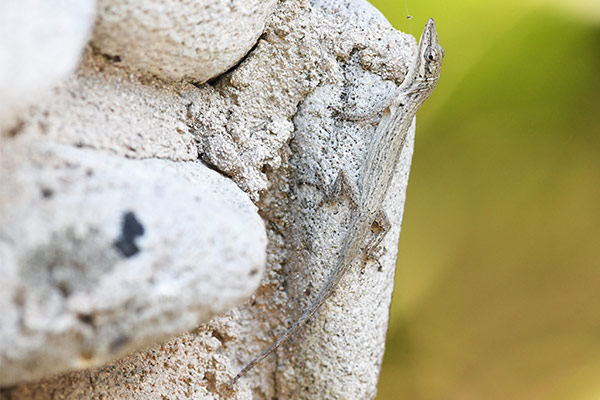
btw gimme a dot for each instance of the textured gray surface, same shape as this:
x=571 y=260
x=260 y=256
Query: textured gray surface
x=106 y=107
x=103 y=255
x=280 y=126
x=245 y=120
x=174 y=40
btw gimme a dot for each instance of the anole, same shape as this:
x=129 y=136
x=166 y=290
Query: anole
x=376 y=173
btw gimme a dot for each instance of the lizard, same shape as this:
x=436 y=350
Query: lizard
x=376 y=173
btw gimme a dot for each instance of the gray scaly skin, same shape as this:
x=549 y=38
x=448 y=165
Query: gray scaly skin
x=377 y=171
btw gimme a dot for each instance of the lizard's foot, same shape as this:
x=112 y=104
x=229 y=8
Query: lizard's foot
x=380 y=227
x=343 y=187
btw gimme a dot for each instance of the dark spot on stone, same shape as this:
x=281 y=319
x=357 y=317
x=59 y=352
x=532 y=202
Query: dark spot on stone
x=16 y=129
x=118 y=343
x=47 y=192
x=131 y=228
x=6 y=392
x=211 y=381
x=266 y=169
x=19 y=297
x=87 y=355
x=112 y=57
x=70 y=262
x=64 y=288
x=217 y=335
x=87 y=319
x=253 y=271
x=43 y=127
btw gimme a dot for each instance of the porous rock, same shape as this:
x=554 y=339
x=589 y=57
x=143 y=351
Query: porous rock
x=103 y=255
x=174 y=40
x=245 y=120
x=106 y=107
x=301 y=106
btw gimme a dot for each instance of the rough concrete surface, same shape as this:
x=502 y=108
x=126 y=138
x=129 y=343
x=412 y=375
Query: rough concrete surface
x=174 y=40
x=245 y=118
x=103 y=106
x=300 y=106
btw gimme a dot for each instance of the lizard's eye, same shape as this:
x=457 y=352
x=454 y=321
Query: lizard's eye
x=430 y=54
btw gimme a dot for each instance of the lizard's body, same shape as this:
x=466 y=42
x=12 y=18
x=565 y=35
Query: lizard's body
x=377 y=171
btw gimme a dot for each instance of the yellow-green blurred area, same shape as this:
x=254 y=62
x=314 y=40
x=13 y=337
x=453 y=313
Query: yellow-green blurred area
x=498 y=282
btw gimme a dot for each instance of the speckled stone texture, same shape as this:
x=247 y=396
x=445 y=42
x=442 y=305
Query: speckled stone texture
x=194 y=40
x=150 y=184
x=102 y=255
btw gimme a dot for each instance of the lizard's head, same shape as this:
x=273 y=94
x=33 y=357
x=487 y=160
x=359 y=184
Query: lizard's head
x=430 y=54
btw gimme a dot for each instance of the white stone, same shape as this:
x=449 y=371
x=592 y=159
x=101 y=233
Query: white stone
x=81 y=286
x=174 y=40
x=108 y=108
x=40 y=44
x=275 y=125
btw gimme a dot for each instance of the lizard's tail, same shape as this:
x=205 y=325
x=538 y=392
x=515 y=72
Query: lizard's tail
x=299 y=322
x=324 y=293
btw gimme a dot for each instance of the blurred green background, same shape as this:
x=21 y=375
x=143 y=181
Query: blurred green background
x=498 y=282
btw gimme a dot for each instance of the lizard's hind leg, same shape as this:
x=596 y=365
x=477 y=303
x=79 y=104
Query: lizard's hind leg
x=380 y=227
x=343 y=187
